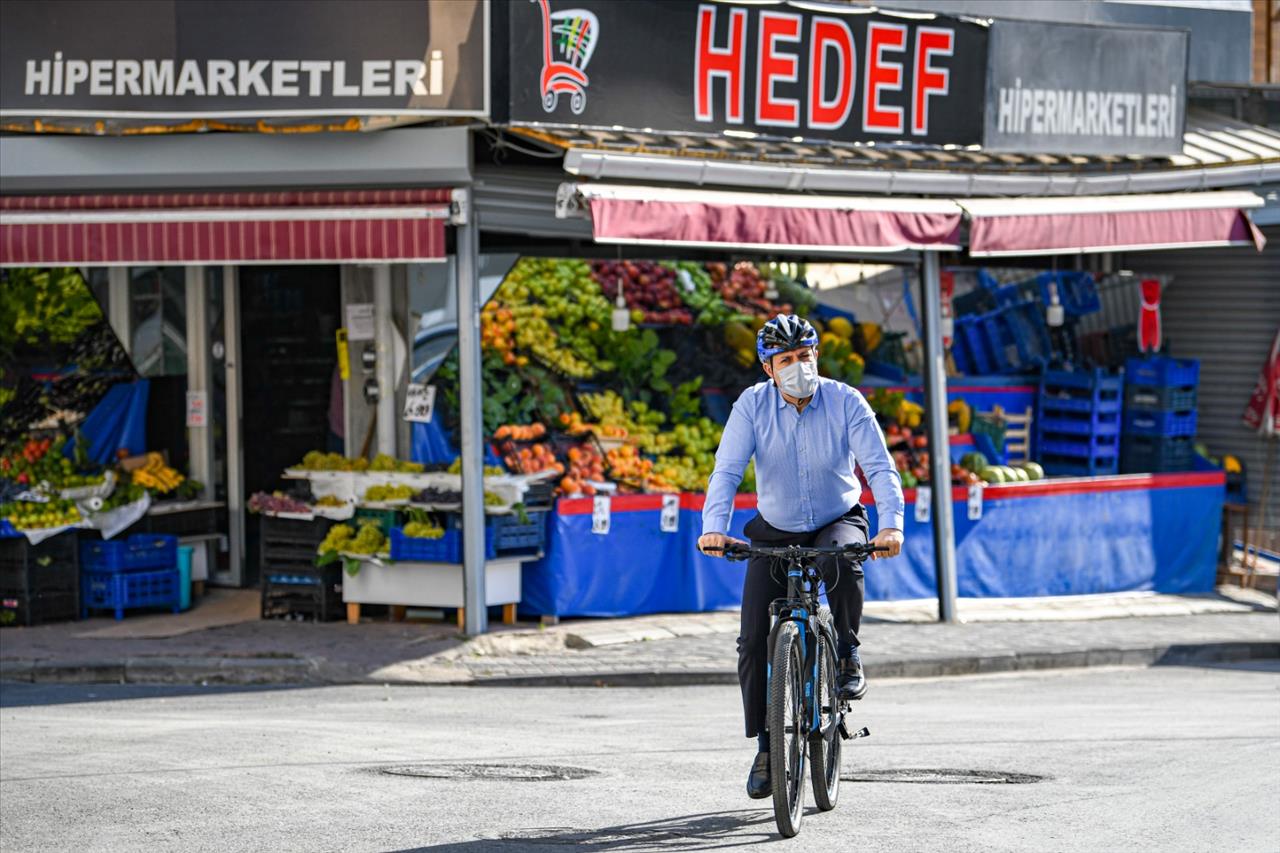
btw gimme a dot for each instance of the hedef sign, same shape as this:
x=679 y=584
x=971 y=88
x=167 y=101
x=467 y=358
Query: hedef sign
x=779 y=69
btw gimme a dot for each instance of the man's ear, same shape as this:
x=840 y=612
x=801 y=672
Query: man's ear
x=767 y=367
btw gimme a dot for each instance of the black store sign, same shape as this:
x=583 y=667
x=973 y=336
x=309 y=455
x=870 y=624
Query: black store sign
x=226 y=58
x=777 y=69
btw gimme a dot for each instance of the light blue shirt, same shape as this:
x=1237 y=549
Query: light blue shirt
x=804 y=460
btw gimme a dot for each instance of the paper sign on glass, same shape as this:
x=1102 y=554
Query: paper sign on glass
x=975 y=502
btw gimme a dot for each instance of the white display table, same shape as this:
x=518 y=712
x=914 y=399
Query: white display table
x=414 y=584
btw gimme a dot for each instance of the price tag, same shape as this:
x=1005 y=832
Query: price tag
x=669 y=521
x=197 y=408
x=600 y=515
x=975 y=502
x=924 y=500
x=686 y=280
x=419 y=402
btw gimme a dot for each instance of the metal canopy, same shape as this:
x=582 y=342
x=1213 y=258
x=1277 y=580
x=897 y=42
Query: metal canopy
x=1217 y=152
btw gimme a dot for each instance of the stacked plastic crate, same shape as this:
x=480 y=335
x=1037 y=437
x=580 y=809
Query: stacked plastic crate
x=293 y=586
x=38 y=583
x=1078 y=430
x=125 y=574
x=1159 y=414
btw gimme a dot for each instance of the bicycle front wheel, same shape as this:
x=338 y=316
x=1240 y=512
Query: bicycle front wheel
x=787 y=740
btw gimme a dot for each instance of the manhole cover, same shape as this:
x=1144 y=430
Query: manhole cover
x=501 y=772
x=942 y=776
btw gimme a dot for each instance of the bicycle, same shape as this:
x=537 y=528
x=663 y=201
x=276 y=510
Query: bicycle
x=804 y=712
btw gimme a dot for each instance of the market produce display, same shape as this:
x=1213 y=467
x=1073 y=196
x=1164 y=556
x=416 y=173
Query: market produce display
x=30 y=515
x=383 y=494
x=156 y=475
x=276 y=502
x=344 y=539
x=649 y=289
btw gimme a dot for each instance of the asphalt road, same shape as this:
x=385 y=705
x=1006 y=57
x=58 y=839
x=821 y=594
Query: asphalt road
x=1162 y=759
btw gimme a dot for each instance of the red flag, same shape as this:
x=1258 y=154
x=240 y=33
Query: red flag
x=1263 y=411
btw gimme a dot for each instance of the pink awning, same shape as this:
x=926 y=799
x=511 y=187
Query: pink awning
x=205 y=228
x=1050 y=226
x=781 y=223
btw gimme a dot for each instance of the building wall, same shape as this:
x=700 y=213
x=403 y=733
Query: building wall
x=1266 y=41
x=1222 y=306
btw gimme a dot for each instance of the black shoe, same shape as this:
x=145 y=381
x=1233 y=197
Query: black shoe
x=759 y=785
x=853 y=684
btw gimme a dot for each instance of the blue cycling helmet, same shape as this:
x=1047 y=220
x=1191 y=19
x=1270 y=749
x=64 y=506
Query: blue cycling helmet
x=782 y=333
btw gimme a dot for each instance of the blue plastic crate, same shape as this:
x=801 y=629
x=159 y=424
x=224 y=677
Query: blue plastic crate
x=969 y=347
x=121 y=591
x=1068 y=466
x=511 y=534
x=138 y=552
x=1068 y=404
x=1077 y=381
x=1139 y=422
x=1141 y=454
x=1105 y=423
x=1077 y=292
x=1160 y=398
x=1162 y=370
x=446 y=549
x=1080 y=446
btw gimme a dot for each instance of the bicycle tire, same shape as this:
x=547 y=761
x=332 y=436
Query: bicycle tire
x=824 y=755
x=787 y=749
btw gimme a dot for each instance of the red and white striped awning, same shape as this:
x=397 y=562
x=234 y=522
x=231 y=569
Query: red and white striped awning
x=389 y=225
x=1051 y=226
x=767 y=222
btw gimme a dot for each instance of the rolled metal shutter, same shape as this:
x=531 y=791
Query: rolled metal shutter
x=1222 y=306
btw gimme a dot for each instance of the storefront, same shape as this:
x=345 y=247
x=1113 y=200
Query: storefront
x=739 y=133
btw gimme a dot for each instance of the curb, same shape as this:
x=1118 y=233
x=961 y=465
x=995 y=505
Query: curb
x=1166 y=655
x=312 y=672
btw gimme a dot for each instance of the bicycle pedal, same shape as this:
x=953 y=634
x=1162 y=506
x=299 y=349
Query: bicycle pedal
x=844 y=731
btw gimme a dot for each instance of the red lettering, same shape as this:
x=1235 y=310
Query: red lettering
x=827 y=34
x=772 y=67
x=881 y=75
x=930 y=42
x=727 y=63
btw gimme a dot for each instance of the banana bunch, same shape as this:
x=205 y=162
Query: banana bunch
x=961 y=413
x=156 y=475
x=910 y=414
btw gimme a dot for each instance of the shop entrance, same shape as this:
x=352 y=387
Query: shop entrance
x=288 y=317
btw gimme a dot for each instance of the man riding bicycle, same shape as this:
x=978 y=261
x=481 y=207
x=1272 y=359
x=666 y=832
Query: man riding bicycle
x=806 y=433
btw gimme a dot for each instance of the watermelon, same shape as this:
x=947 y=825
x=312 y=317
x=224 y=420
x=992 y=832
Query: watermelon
x=992 y=474
x=1021 y=474
x=1034 y=471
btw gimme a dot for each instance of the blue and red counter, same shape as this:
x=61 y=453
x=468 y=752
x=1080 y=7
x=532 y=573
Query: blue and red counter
x=1123 y=533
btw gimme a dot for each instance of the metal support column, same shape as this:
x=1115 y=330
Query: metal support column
x=935 y=395
x=118 y=306
x=235 y=452
x=469 y=394
x=199 y=378
x=384 y=332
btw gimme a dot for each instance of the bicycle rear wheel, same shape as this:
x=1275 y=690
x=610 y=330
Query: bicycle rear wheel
x=824 y=754
x=787 y=742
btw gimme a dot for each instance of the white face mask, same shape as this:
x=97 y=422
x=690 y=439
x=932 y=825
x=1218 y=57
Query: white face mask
x=798 y=379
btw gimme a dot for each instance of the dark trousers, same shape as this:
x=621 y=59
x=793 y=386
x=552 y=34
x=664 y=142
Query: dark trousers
x=767 y=579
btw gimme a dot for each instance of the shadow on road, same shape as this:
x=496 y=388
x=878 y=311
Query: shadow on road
x=706 y=831
x=16 y=694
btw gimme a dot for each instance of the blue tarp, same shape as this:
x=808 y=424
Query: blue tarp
x=1091 y=538
x=118 y=421
x=431 y=445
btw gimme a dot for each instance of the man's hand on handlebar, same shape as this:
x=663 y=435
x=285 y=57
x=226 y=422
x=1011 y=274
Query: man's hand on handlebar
x=713 y=543
x=889 y=538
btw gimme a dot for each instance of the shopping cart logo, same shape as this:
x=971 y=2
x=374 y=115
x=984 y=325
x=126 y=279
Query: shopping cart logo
x=568 y=40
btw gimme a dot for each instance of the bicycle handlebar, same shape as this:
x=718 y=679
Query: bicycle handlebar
x=736 y=552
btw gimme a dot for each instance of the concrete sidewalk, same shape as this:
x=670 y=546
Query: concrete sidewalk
x=1131 y=629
